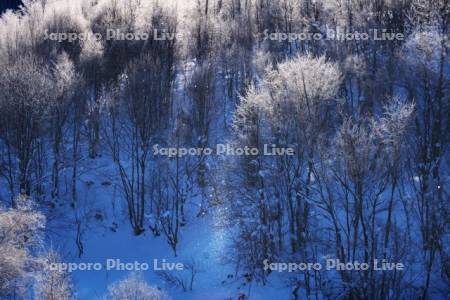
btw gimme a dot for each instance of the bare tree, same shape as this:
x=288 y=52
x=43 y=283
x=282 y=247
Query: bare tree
x=27 y=94
x=146 y=87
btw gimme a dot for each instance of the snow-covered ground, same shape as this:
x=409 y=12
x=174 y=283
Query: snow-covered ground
x=108 y=236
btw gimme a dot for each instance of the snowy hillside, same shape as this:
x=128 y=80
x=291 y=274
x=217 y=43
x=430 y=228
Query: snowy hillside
x=224 y=149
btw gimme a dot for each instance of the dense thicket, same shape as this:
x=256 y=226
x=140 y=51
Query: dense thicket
x=368 y=119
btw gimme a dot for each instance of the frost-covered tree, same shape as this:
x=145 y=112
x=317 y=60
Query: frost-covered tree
x=360 y=173
x=25 y=97
x=52 y=283
x=24 y=270
x=134 y=287
x=21 y=231
x=288 y=108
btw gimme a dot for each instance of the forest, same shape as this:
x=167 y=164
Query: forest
x=224 y=149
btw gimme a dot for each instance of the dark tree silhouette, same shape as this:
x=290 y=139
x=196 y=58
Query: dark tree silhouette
x=9 y=4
